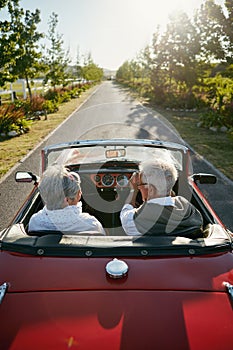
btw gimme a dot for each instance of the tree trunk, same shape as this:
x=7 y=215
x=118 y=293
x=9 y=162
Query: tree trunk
x=28 y=87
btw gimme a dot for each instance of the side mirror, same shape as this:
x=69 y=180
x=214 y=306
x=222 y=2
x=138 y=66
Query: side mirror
x=203 y=178
x=26 y=176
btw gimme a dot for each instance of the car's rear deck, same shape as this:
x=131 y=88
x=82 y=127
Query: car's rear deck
x=92 y=244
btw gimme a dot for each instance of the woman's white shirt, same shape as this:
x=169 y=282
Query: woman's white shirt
x=68 y=219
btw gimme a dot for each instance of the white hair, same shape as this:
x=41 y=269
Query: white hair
x=58 y=183
x=160 y=173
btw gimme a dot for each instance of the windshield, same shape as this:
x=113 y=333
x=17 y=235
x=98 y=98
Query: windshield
x=101 y=154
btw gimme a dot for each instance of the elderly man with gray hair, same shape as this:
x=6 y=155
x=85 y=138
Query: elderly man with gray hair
x=161 y=212
x=61 y=192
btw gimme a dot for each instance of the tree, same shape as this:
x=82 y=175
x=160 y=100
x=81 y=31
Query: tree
x=19 y=51
x=29 y=64
x=78 y=65
x=90 y=71
x=9 y=36
x=57 y=59
x=180 y=47
x=124 y=73
x=209 y=22
x=189 y=51
x=225 y=19
x=173 y=59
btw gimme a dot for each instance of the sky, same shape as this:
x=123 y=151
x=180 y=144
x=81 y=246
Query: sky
x=113 y=31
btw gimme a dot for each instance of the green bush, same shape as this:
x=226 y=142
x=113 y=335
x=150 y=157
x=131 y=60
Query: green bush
x=23 y=105
x=58 y=95
x=17 y=116
x=50 y=106
x=52 y=94
x=227 y=112
x=30 y=106
x=211 y=118
x=64 y=97
x=218 y=119
x=74 y=92
x=13 y=119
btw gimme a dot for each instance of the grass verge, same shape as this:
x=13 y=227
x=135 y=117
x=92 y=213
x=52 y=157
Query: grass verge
x=12 y=150
x=216 y=147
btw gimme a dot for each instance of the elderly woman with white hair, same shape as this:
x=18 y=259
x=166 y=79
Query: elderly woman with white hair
x=61 y=192
x=161 y=212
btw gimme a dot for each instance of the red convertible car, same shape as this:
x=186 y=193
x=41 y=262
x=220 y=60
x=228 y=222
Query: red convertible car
x=79 y=290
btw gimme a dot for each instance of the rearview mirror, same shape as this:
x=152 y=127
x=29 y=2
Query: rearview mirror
x=115 y=153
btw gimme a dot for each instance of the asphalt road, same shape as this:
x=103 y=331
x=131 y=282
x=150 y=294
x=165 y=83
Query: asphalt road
x=110 y=112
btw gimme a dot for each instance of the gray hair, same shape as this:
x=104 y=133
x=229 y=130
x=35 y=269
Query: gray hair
x=160 y=173
x=58 y=183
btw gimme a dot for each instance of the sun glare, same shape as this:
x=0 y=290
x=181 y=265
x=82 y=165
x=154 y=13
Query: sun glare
x=153 y=12
x=164 y=8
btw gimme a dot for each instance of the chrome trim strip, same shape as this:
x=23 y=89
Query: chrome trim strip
x=229 y=288
x=3 y=290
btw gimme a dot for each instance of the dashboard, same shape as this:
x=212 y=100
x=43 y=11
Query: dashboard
x=110 y=179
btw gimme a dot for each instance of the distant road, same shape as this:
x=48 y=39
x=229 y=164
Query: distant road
x=110 y=104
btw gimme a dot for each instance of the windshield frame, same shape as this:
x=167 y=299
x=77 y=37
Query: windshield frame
x=116 y=144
